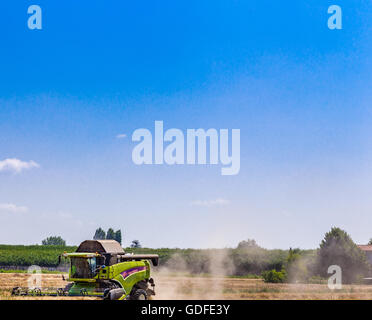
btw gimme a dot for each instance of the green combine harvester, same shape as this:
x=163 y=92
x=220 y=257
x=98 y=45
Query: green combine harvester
x=101 y=268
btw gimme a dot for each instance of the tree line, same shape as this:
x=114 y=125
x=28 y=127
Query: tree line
x=99 y=234
x=248 y=258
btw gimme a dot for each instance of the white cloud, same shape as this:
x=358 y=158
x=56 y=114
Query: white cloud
x=12 y=208
x=121 y=136
x=16 y=165
x=210 y=203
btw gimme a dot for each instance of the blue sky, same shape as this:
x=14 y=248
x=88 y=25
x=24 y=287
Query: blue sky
x=298 y=91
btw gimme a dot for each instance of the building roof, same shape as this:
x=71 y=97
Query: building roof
x=100 y=246
x=365 y=247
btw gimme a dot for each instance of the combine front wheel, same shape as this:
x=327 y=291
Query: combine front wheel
x=139 y=294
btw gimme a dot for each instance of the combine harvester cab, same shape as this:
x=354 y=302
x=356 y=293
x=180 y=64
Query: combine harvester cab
x=101 y=268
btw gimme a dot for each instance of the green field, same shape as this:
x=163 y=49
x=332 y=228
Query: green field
x=19 y=255
x=47 y=256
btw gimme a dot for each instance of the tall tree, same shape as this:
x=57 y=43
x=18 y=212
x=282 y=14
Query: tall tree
x=118 y=236
x=100 y=234
x=110 y=234
x=337 y=248
x=54 y=241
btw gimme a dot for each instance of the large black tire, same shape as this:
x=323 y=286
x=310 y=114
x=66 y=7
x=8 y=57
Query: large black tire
x=108 y=286
x=139 y=294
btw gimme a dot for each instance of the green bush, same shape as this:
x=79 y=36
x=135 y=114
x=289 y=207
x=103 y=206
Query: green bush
x=274 y=276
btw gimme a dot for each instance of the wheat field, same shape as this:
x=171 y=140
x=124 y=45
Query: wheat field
x=185 y=287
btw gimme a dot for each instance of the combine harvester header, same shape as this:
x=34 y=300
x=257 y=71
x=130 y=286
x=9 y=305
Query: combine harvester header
x=101 y=268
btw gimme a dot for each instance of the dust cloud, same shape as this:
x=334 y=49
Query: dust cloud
x=181 y=281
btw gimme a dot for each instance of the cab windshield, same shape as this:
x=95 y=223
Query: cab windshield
x=83 y=268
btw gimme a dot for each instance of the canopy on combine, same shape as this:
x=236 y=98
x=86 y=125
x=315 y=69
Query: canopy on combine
x=101 y=246
x=113 y=252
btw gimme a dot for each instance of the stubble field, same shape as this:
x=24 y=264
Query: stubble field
x=184 y=287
